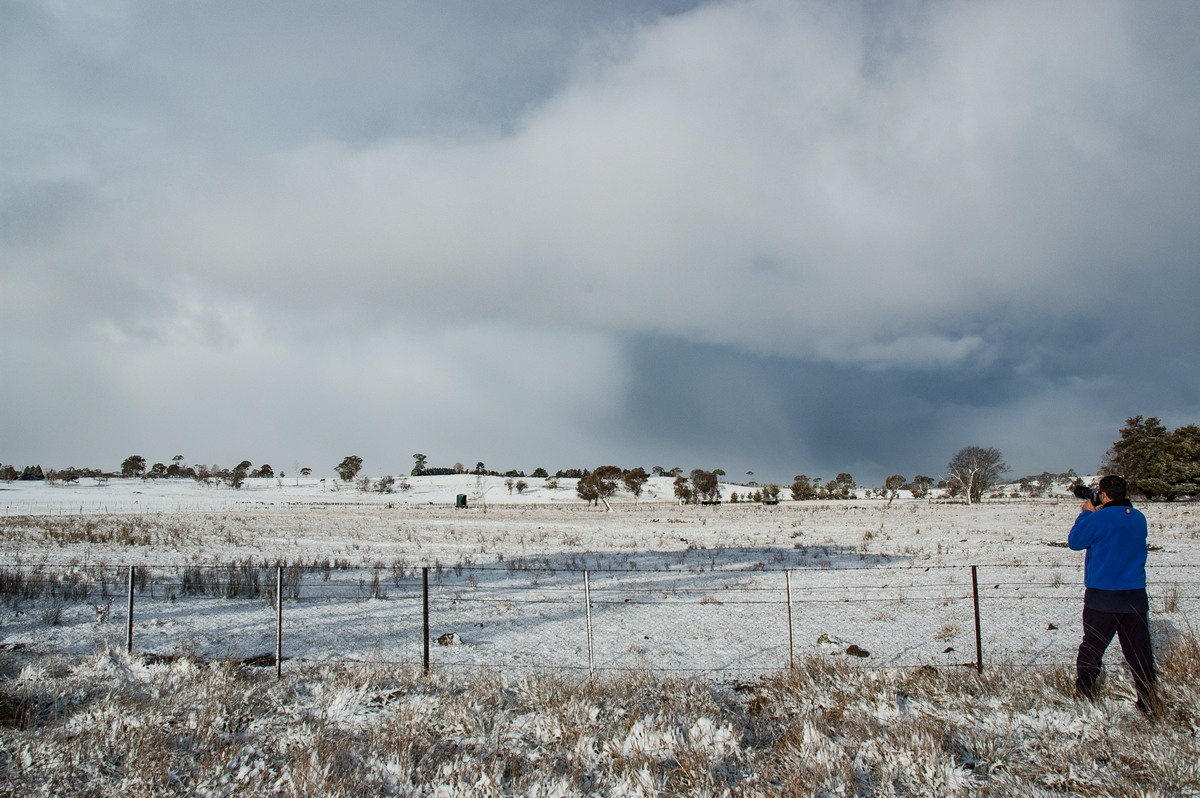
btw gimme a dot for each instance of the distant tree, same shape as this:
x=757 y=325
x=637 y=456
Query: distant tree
x=803 y=489
x=521 y=486
x=750 y=478
x=892 y=486
x=157 y=471
x=364 y=484
x=9 y=474
x=306 y=472
x=658 y=471
x=480 y=468
x=705 y=486
x=845 y=486
x=386 y=484
x=587 y=490
x=920 y=486
x=32 y=474
x=552 y=483
x=459 y=468
x=348 y=469
x=419 y=464
x=683 y=490
x=770 y=493
x=539 y=473
x=510 y=483
x=133 y=466
x=635 y=480
x=264 y=471
x=973 y=470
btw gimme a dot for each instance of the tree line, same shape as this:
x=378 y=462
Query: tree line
x=1158 y=464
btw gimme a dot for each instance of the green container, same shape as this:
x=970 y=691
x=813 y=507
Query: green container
x=461 y=501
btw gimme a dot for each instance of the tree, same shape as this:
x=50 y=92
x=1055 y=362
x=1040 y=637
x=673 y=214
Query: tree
x=920 y=486
x=587 y=490
x=1140 y=456
x=1155 y=463
x=892 y=486
x=349 y=467
x=264 y=471
x=974 y=469
x=803 y=489
x=306 y=472
x=419 y=465
x=683 y=490
x=539 y=473
x=133 y=466
x=635 y=480
x=845 y=486
x=599 y=484
x=705 y=486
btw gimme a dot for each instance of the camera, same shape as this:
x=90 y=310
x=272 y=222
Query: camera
x=1088 y=494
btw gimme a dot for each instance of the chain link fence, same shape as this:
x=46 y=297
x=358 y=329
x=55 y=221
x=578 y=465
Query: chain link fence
x=696 y=620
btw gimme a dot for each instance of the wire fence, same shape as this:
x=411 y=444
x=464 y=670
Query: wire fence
x=707 y=620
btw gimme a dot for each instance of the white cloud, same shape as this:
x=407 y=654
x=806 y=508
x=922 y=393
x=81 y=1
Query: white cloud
x=731 y=176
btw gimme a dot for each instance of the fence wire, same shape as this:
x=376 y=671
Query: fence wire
x=721 y=621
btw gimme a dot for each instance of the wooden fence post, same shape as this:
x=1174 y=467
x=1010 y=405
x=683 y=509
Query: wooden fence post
x=425 y=614
x=129 y=613
x=587 y=603
x=978 y=632
x=278 y=621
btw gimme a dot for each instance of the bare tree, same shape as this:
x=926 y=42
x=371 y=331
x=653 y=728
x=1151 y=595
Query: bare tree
x=974 y=469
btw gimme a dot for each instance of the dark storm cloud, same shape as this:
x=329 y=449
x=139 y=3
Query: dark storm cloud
x=776 y=214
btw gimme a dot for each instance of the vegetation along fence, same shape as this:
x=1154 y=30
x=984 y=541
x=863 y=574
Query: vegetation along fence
x=712 y=620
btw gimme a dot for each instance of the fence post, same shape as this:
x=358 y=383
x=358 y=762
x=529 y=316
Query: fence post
x=278 y=621
x=978 y=633
x=787 y=576
x=425 y=613
x=129 y=614
x=587 y=604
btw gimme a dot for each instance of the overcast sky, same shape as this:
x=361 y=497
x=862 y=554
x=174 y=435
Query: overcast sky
x=786 y=237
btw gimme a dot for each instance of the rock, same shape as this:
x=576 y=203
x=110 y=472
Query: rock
x=449 y=639
x=856 y=651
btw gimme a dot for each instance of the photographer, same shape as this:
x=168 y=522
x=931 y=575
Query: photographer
x=1114 y=536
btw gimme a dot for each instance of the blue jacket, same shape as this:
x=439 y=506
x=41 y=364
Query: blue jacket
x=1115 y=539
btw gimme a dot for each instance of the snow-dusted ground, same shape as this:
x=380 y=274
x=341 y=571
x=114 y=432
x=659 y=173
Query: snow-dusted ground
x=666 y=587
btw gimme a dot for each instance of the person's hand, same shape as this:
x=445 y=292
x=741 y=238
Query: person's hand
x=1088 y=506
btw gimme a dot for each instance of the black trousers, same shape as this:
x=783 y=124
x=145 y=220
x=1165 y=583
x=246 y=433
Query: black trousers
x=1133 y=631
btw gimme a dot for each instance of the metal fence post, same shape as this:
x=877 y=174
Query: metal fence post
x=787 y=576
x=587 y=603
x=129 y=614
x=279 y=622
x=425 y=613
x=978 y=633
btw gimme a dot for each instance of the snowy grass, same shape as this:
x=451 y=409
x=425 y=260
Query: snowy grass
x=110 y=725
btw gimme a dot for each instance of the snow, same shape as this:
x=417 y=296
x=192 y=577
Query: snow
x=668 y=590
x=669 y=587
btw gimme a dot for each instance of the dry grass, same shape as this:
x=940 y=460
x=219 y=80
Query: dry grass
x=108 y=725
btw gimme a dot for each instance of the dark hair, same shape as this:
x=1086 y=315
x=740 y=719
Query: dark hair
x=1114 y=486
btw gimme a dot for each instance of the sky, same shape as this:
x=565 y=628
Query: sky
x=767 y=236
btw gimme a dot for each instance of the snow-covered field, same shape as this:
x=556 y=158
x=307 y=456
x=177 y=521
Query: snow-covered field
x=543 y=579
x=735 y=592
